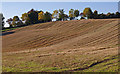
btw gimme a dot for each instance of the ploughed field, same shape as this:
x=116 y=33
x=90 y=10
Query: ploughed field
x=77 y=45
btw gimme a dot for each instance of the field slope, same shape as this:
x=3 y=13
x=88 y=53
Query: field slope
x=77 y=45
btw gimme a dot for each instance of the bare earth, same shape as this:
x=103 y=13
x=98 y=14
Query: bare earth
x=77 y=45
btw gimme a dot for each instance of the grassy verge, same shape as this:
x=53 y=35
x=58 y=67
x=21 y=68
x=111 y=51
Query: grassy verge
x=107 y=66
x=111 y=65
x=9 y=29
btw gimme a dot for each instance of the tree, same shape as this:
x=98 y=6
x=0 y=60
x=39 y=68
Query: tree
x=33 y=16
x=76 y=13
x=113 y=15
x=88 y=13
x=16 y=18
x=32 y=10
x=39 y=11
x=108 y=15
x=25 y=18
x=102 y=16
x=41 y=16
x=117 y=14
x=2 y=18
x=95 y=14
x=19 y=23
x=71 y=14
x=65 y=16
x=61 y=14
x=9 y=21
x=55 y=14
x=47 y=17
x=16 y=22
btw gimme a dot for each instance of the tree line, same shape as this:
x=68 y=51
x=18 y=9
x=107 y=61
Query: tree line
x=34 y=16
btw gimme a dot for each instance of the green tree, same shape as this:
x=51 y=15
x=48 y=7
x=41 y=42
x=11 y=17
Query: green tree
x=16 y=18
x=108 y=14
x=16 y=22
x=71 y=14
x=47 y=17
x=112 y=15
x=102 y=16
x=61 y=14
x=88 y=13
x=65 y=16
x=95 y=14
x=76 y=13
x=33 y=16
x=117 y=14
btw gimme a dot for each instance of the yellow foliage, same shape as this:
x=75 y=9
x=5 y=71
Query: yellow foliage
x=41 y=16
x=55 y=14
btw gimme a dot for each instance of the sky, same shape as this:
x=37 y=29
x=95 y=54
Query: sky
x=10 y=9
x=60 y=0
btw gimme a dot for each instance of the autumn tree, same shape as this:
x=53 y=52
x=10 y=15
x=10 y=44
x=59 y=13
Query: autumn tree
x=25 y=18
x=71 y=14
x=55 y=14
x=76 y=13
x=41 y=16
x=88 y=13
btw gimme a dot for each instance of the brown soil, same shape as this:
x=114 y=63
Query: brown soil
x=63 y=40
